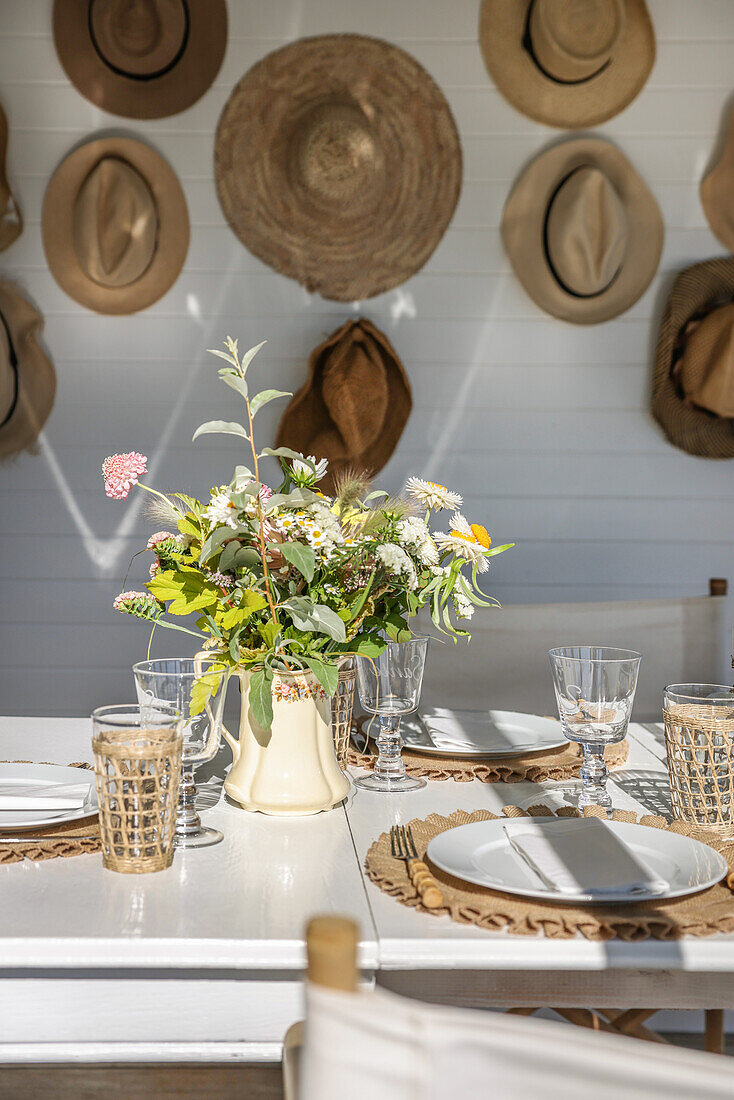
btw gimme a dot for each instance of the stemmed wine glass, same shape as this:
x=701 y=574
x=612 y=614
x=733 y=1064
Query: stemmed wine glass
x=170 y=680
x=390 y=686
x=595 y=688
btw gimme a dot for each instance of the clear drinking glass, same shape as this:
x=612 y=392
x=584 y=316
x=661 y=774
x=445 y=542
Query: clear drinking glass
x=699 y=743
x=595 y=688
x=137 y=766
x=170 y=680
x=390 y=686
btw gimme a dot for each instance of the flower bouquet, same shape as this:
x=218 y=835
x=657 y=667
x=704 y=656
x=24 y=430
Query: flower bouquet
x=287 y=582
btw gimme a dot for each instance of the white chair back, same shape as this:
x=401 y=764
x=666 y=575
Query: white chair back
x=506 y=665
x=378 y=1046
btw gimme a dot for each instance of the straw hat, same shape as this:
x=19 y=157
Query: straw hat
x=569 y=63
x=338 y=163
x=27 y=376
x=717 y=192
x=11 y=219
x=115 y=225
x=583 y=232
x=141 y=58
x=354 y=405
x=693 y=384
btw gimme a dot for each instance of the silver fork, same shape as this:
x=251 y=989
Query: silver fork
x=402 y=845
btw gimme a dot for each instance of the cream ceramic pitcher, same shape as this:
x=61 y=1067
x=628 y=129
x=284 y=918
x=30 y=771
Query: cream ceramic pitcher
x=289 y=770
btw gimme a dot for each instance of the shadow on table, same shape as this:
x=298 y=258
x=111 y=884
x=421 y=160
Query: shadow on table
x=648 y=787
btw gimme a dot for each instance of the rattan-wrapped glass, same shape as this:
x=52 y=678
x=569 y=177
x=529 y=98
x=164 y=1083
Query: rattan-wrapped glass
x=137 y=770
x=341 y=711
x=699 y=741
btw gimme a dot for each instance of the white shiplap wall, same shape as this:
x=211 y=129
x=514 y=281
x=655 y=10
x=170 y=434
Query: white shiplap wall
x=543 y=425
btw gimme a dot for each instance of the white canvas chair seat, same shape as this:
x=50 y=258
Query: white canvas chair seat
x=505 y=667
x=378 y=1046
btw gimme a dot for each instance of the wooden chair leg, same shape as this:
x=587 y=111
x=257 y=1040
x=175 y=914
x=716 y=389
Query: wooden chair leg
x=714 y=1033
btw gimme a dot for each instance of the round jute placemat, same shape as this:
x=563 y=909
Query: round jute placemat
x=700 y=914
x=58 y=840
x=560 y=763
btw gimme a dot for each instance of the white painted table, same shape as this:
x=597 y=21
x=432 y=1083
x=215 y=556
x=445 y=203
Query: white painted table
x=204 y=961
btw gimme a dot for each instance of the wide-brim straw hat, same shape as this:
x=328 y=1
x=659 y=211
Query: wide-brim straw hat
x=717 y=192
x=141 y=58
x=27 y=376
x=115 y=225
x=583 y=231
x=693 y=382
x=568 y=63
x=337 y=162
x=354 y=406
x=11 y=219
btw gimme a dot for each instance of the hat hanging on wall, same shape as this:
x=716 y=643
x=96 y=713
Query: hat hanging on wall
x=337 y=162
x=115 y=225
x=583 y=231
x=11 y=219
x=141 y=58
x=717 y=192
x=27 y=376
x=355 y=404
x=568 y=63
x=693 y=383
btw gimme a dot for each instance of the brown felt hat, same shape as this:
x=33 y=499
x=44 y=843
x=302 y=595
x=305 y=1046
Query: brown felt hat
x=693 y=384
x=568 y=63
x=11 y=219
x=337 y=162
x=27 y=376
x=717 y=192
x=355 y=404
x=115 y=225
x=583 y=231
x=141 y=58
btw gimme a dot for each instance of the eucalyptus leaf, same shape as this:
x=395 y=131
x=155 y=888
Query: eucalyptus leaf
x=214 y=543
x=220 y=427
x=227 y=560
x=223 y=355
x=261 y=697
x=327 y=675
x=301 y=556
x=286 y=452
x=374 y=495
x=296 y=498
x=264 y=397
x=234 y=380
x=307 y=615
x=250 y=355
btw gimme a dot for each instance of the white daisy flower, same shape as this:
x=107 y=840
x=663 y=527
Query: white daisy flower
x=467 y=541
x=432 y=495
x=303 y=474
x=397 y=562
x=221 y=511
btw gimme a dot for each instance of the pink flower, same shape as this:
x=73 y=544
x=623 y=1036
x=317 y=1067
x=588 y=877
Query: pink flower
x=160 y=536
x=140 y=604
x=121 y=472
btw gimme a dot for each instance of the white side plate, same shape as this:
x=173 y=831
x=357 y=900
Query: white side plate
x=480 y=853
x=488 y=733
x=12 y=775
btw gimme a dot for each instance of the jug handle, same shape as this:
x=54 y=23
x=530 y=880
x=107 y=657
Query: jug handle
x=199 y=659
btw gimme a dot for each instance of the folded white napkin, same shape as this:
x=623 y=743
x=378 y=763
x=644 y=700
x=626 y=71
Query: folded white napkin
x=43 y=796
x=582 y=857
x=456 y=729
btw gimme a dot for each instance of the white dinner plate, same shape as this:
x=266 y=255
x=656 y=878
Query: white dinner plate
x=480 y=853
x=488 y=733
x=25 y=776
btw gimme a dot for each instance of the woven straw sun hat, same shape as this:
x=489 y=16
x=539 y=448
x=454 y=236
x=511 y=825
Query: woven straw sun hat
x=337 y=162
x=693 y=382
x=583 y=231
x=141 y=58
x=11 y=219
x=355 y=404
x=115 y=225
x=568 y=63
x=717 y=192
x=27 y=376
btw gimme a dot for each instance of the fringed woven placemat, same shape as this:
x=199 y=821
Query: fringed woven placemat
x=58 y=840
x=700 y=914
x=560 y=763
